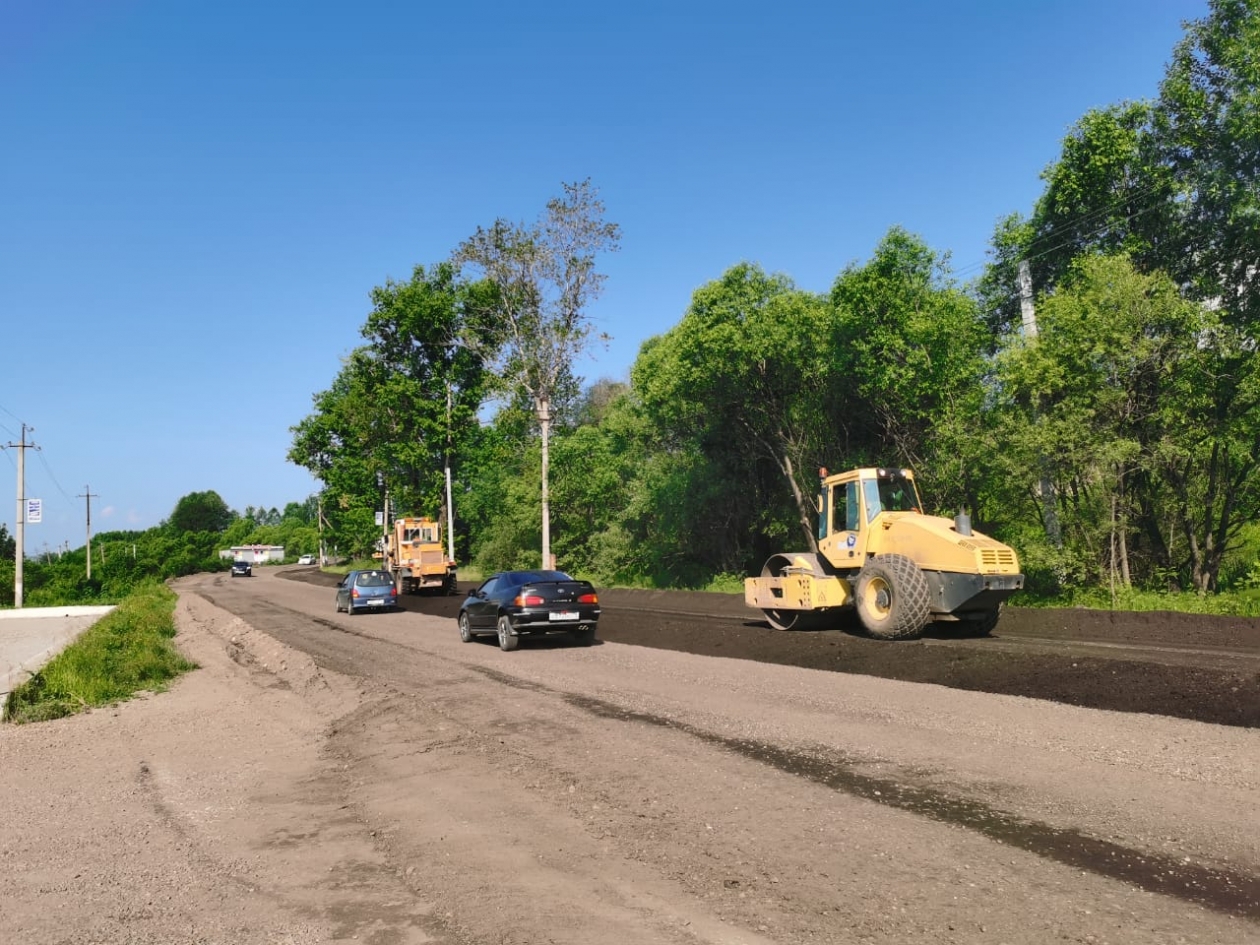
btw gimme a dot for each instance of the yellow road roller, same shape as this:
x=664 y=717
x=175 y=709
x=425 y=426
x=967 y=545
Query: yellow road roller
x=899 y=568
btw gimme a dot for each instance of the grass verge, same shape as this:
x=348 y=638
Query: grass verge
x=1244 y=603
x=128 y=650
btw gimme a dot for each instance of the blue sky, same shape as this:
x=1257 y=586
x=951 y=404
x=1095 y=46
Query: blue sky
x=196 y=197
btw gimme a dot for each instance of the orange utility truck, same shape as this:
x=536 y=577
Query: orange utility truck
x=414 y=555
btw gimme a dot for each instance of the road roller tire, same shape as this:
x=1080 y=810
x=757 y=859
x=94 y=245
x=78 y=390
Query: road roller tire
x=892 y=597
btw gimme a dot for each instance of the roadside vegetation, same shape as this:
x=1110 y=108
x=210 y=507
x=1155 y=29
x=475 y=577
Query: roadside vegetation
x=129 y=650
x=1116 y=447
x=189 y=542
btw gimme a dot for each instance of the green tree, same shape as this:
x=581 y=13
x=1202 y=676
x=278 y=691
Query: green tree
x=1206 y=130
x=907 y=369
x=1174 y=183
x=403 y=405
x=1119 y=397
x=201 y=512
x=433 y=384
x=533 y=323
x=747 y=376
x=8 y=544
x=1107 y=193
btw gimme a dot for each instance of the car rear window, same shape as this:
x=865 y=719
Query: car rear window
x=374 y=579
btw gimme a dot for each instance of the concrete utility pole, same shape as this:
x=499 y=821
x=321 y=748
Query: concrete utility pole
x=543 y=406
x=87 y=494
x=450 y=506
x=20 y=530
x=1026 y=310
x=1028 y=313
x=319 y=517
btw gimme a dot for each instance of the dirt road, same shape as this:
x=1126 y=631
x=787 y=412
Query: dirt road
x=328 y=778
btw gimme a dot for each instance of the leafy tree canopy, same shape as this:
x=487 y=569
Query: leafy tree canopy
x=201 y=512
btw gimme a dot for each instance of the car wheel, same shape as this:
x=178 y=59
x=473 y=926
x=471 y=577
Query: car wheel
x=465 y=631
x=507 y=642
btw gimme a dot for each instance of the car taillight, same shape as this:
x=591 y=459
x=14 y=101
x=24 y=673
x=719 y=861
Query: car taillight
x=528 y=600
x=354 y=592
x=589 y=599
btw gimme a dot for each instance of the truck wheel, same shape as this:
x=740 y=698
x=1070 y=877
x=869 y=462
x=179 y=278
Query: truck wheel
x=892 y=598
x=507 y=642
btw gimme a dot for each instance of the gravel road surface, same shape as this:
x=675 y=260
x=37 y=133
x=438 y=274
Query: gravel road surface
x=324 y=777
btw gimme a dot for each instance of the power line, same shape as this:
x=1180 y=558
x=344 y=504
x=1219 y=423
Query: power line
x=48 y=469
x=1027 y=253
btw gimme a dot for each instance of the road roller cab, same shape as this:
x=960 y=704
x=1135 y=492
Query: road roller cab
x=878 y=552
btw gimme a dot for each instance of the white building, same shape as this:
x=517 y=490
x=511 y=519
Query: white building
x=256 y=554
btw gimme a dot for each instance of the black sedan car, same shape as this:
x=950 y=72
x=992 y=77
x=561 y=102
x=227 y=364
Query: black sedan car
x=242 y=568
x=516 y=604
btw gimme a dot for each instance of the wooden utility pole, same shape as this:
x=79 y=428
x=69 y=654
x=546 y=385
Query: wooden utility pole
x=87 y=494
x=20 y=525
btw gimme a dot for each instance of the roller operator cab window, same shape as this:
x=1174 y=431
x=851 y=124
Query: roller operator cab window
x=892 y=493
x=845 y=515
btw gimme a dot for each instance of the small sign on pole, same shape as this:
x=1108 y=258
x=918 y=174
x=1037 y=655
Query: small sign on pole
x=380 y=518
x=34 y=511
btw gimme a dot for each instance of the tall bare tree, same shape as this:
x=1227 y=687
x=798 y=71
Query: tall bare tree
x=540 y=278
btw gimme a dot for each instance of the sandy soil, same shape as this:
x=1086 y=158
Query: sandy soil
x=333 y=778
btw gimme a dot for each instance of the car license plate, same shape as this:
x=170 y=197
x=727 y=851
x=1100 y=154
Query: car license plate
x=376 y=602
x=562 y=615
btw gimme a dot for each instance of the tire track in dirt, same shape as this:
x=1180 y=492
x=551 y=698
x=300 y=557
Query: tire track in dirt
x=1228 y=891
x=1123 y=662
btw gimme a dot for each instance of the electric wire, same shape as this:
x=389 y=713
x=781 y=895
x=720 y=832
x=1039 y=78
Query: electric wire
x=1073 y=223
x=48 y=469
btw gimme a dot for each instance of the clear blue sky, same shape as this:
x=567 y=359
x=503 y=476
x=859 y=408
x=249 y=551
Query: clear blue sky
x=196 y=198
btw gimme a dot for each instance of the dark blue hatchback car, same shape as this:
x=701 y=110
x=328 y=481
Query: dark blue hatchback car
x=366 y=590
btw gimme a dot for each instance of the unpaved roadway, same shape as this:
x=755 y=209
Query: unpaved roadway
x=333 y=778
